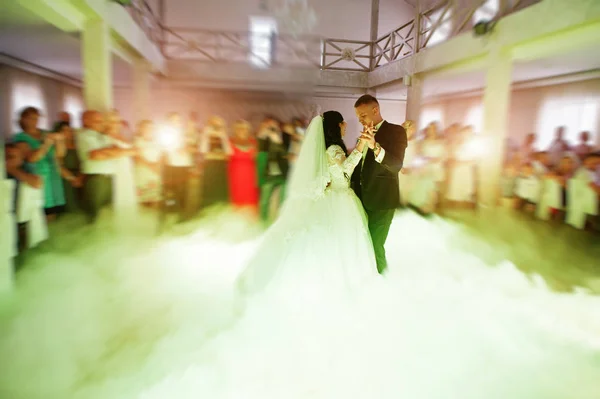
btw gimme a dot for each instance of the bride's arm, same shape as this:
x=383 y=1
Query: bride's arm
x=337 y=155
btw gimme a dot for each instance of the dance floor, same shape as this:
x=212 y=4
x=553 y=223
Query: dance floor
x=105 y=312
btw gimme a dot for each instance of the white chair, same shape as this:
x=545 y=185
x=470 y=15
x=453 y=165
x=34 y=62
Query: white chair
x=8 y=244
x=529 y=188
x=461 y=185
x=30 y=210
x=581 y=202
x=550 y=197
x=423 y=189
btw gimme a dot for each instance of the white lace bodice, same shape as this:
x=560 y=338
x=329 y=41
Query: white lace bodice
x=341 y=167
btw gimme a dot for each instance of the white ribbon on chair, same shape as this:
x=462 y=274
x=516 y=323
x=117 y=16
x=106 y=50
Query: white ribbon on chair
x=30 y=209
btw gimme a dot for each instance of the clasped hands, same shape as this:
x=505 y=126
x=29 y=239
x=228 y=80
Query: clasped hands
x=367 y=137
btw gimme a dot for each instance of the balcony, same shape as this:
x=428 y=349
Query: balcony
x=443 y=20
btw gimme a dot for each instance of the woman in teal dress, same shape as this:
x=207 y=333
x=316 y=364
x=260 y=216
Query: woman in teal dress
x=42 y=151
x=70 y=169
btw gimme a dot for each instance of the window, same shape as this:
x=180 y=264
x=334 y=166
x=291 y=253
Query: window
x=27 y=92
x=431 y=114
x=487 y=11
x=576 y=114
x=475 y=118
x=262 y=32
x=74 y=106
x=443 y=30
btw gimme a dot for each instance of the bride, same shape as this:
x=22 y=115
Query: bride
x=321 y=237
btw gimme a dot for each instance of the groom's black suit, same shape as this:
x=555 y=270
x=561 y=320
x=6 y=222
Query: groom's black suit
x=376 y=184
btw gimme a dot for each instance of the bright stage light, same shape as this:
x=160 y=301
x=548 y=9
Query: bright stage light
x=474 y=148
x=418 y=162
x=168 y=137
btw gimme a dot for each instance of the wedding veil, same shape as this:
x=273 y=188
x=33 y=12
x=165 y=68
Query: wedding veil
x=310 y=173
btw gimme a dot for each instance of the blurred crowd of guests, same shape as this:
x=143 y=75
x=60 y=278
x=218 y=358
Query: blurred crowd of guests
x=562 y=181
x=184 y=167
x=178 y=166
x=440 y=167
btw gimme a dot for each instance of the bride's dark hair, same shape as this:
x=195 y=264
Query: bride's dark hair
x=333 y=132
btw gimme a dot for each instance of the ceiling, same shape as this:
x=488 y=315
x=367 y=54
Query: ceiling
x=27 y=37
x=570 y=63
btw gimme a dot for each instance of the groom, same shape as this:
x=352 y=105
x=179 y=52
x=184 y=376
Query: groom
x=375 y=179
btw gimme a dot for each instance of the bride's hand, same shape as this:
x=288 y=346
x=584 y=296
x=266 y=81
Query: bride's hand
x=360 y=145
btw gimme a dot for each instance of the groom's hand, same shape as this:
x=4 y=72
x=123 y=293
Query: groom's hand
x=368 y=135
x=368 y=139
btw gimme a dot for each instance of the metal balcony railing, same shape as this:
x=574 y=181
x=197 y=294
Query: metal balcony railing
x=236 y=47
x=147 y=20
x=443 y=20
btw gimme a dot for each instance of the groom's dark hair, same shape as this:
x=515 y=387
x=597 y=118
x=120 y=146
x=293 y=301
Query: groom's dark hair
x=365 y=99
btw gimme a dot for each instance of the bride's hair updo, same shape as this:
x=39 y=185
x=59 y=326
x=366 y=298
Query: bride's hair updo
x=333 y=132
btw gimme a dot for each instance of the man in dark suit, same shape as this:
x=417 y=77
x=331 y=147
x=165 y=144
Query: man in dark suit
x=375 y=179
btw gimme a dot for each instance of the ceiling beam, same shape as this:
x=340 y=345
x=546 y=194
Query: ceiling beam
x=61 y=13
x=579 y=37
x=38 y=70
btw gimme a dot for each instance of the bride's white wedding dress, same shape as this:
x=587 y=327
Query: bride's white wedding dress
x=319 y=247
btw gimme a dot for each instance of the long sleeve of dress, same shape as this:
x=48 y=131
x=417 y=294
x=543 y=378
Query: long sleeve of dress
x=336 y=155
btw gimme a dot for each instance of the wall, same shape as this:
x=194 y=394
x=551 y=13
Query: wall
x=526 y=106
x=21 y=89
x=340 y=19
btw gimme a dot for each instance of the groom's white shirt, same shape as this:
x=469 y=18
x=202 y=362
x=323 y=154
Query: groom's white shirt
x=381 y=152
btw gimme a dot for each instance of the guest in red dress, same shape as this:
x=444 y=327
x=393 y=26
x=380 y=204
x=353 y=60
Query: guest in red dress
x=243 y=179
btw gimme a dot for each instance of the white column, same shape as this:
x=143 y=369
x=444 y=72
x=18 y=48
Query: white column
x=496 y=102
x=141 y=90
x=414 y=97
x=374 y=28
x=97 y=65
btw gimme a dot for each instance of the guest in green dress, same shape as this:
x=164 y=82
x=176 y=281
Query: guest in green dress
x=70 y=169
x=42 y=151
x=262 y=137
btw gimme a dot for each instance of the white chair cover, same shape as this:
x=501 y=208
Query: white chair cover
x=550 y=197
x=582 y=200
x=124 y=188
x=528 y=188
x=461 y=185
x=423 y=188
x=8 y=244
